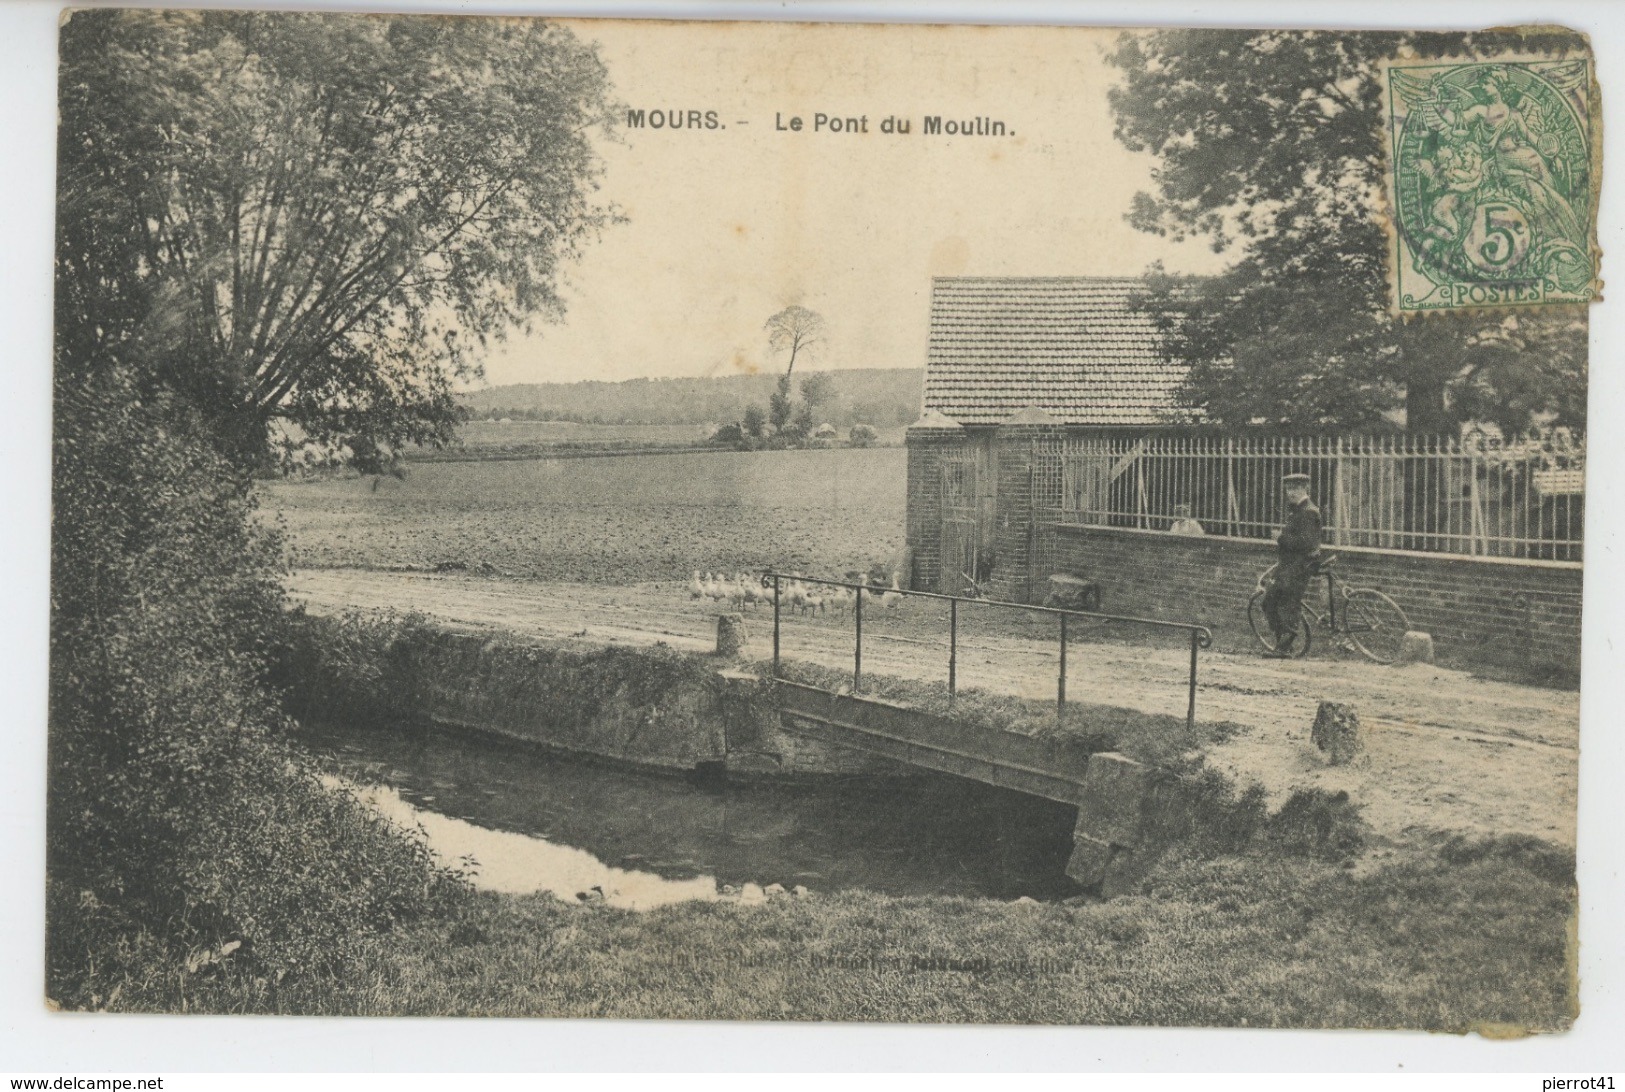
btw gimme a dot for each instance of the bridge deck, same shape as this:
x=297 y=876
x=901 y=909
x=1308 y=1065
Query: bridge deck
x=1053 y=769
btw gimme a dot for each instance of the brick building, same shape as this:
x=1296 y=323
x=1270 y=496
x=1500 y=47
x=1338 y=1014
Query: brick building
x=1053 y=440
x=1013 y=362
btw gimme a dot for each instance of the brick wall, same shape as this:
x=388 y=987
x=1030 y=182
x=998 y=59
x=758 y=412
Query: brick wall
x=923 y=533
x=1523 y=617
x=1019 y=572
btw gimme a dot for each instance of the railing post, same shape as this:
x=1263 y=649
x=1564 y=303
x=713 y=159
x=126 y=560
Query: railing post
x=953 y=645
x=1060 y=690
x=776 y=598
x=1190 y=709
x=857 y=644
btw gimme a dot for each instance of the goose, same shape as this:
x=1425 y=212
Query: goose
x=893 y=598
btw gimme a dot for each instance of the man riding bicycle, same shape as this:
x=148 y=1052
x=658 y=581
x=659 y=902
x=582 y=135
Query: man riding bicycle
x=1297 y=549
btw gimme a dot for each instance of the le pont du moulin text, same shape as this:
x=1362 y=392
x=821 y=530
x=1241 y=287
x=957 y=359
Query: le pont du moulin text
x=821 y=123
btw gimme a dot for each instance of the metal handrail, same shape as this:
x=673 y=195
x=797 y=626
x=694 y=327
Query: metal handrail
x=1200 y=636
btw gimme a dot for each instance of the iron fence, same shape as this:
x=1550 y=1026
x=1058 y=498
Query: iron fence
x=1477 y=494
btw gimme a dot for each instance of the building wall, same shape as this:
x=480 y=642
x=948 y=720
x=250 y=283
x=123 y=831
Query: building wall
x=923 y=530
x=1520 y=616
x=1482 y=612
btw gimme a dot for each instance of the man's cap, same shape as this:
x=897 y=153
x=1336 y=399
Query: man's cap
x=1295 y=479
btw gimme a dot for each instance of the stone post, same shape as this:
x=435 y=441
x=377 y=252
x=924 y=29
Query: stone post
x=1337 y=732
x=731 y=638
x=1415 y=648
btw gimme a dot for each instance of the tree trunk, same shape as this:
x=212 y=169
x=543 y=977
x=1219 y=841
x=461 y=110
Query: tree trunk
x=1425 y=412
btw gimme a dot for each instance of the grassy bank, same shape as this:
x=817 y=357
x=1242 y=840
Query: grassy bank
x=1247 y=918
x=1468 y=937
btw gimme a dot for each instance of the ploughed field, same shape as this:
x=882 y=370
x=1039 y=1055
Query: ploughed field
x=622 y=520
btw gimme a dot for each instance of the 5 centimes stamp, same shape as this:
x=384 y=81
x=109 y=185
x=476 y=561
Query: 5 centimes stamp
x=1490 y=183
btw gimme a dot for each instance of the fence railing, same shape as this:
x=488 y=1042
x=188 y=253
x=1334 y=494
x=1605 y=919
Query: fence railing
x=1477 y=494
x=1200 y=637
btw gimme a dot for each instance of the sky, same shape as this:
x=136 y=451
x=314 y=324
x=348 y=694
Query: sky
x=725 y=226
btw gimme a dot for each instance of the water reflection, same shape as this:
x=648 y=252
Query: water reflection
x=539 y=821
x=522 y=864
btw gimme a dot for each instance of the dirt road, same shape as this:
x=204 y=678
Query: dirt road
x=1446 y=751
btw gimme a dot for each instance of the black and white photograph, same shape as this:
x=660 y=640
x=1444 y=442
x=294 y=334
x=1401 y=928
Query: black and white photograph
x=880 y=523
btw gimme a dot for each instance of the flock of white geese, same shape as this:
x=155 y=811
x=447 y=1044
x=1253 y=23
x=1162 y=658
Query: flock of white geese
x=745 y=590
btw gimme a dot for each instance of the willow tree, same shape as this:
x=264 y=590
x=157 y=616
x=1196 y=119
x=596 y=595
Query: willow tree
x=316 y=217
x=1269 y=144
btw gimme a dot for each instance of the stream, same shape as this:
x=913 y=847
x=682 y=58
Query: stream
x=523 y=819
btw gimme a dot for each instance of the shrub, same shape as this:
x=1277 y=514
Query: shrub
x=1320 y=824
x=863 y=436
x=362 y=667
x=730 y=435
x=186 y=835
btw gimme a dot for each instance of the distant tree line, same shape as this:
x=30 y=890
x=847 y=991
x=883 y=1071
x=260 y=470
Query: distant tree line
x=881 y=397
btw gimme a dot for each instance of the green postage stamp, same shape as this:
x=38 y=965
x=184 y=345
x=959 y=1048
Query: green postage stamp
x=1490 y=183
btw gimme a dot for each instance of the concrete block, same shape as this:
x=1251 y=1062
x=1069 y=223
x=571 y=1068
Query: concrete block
x=1123 y=875
x=1090 y=859
x=746 y=763
x=1337 y=732
x=1073 y=593
x=731 y=638
x=1416 y=648
x=1112 y=798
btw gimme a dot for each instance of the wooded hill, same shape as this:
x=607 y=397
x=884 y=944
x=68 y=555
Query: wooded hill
x=876 y=396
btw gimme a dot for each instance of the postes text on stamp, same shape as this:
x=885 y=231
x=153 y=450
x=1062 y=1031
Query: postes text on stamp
x=1490 y=177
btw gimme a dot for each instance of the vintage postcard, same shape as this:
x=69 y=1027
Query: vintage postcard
x=818 y=522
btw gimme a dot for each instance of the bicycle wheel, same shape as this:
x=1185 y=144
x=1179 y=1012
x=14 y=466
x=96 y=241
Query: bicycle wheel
x=1266 y=635
x=1376 y=625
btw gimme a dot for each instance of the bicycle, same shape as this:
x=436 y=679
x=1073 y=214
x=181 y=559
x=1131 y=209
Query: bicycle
x=1364 y=619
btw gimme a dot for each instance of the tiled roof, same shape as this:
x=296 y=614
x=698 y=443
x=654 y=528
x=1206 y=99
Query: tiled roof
x=1069 y=345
